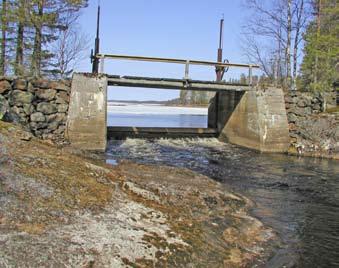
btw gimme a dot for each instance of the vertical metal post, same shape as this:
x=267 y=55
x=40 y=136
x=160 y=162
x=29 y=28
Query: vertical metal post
x=187 y=70
x=250 y=79
x=95 y=64
x=102 y=65
x=219 y=70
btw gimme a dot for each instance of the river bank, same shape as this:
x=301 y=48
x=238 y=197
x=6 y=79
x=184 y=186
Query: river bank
x=63 y=209
x=296 y=196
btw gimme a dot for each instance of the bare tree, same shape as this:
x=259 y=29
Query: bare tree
x=288 y=42
x=299 y=26
x=69 y=49
x=268 y=35
x=4 y=23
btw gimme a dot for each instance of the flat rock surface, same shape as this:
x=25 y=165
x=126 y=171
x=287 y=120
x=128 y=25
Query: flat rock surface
x=60 y=209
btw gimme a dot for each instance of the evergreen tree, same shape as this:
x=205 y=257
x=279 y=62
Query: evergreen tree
x=28 y=30
x=322 y=47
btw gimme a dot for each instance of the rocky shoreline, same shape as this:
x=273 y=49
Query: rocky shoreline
x=61 y=209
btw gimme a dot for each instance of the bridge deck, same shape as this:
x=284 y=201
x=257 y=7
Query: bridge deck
x=168 y=83
x=157 y=132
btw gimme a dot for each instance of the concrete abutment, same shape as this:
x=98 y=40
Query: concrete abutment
x=87 y=115
x=254 y=119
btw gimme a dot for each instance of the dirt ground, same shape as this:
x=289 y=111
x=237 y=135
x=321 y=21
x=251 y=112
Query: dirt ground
x=63 y=208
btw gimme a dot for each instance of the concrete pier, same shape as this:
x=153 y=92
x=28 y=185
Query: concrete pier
x=258 y=120
x=86 y=123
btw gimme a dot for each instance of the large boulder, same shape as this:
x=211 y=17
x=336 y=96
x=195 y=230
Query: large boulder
x=4 y=107
x=20 y=84
x=61 y=86
x=59 y=117
x=38 y=117
x=18 y=97
x=62 y=108
x=28 y=109
x=62 y=97
x=47 y=108
x=45 y=94
x=4 y=86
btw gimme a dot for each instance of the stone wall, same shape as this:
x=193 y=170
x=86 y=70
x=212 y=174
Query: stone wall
x=40 y=106
x=312 y=131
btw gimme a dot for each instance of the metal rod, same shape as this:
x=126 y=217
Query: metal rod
x=102 y=66
x=95 y=66
x=221 y=35
x=219 y=72
x=187 y=69
x=250 y=76
x=173 y=60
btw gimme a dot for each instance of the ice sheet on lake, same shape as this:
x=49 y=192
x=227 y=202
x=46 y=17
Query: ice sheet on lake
x=155 y=109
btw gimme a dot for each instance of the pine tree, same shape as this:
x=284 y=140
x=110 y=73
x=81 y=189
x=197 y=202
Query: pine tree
x=47 y=17
x=322 y=47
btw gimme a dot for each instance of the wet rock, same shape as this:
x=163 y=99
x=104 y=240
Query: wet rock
x=45 y=94
x=47 y=108
x=38 y=117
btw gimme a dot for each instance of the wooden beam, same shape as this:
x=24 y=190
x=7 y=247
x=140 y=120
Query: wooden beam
x=157 y=132
x=173 y=60
x=176 y=84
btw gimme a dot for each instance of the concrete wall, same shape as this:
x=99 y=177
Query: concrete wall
x=86 y=123
x=255 y=119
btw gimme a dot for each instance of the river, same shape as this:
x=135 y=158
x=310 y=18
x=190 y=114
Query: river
x=297 y=197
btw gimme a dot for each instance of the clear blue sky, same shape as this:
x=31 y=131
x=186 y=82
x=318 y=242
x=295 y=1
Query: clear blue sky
x=186 y=29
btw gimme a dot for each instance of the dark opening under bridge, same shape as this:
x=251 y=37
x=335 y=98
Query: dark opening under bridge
x=239 y=113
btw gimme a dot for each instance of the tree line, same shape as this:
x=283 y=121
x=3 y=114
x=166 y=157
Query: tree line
x=294 y=41
x=39 y=37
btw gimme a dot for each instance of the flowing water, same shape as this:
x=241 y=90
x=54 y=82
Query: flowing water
x=297 y=197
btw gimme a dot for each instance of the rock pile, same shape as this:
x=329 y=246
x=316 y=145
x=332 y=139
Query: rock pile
x=312 y=131
x=39 y=105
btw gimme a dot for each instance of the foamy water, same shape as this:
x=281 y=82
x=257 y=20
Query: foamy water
x=297 y=197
